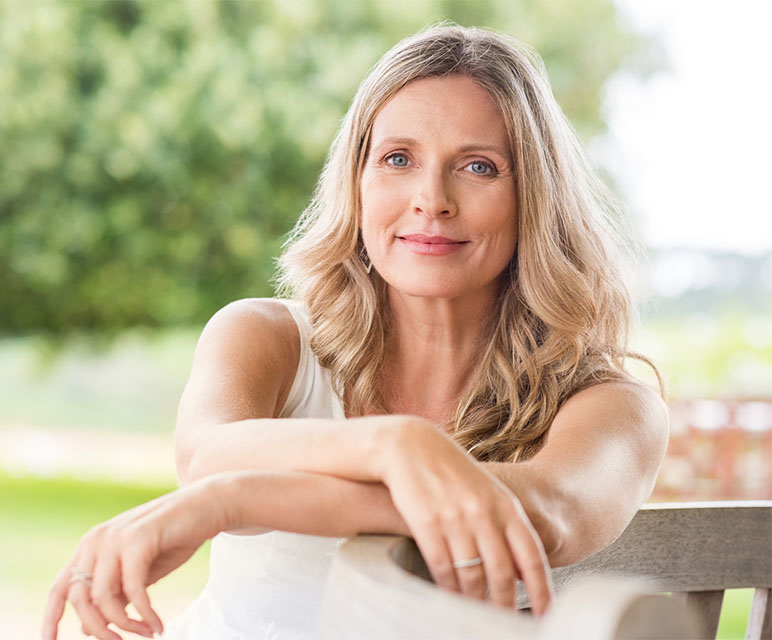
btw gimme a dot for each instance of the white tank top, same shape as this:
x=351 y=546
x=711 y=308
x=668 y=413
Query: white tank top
x=269 y=586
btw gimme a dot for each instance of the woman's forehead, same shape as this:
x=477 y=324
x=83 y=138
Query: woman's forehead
x=456 y=106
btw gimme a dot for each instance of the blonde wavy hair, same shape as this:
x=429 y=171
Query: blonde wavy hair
x=563 y=312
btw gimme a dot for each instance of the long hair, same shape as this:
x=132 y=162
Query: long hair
x=563 y=313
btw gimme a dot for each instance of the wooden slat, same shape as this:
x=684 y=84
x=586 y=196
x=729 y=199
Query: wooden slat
x=760 y=619
x=688 y=547
x=706 y=606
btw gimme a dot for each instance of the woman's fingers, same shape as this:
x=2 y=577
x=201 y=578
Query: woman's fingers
x=134 y=571
x=437 y=557
x=93 y=623
x=500 y=572
x=467 y=565
x=74 y=583
x=124 y=554
x=531 y=563
x=491 y=548
x=107 y=595
x=57 y=599
x=470 y=513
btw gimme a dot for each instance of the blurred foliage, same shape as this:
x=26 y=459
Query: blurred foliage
x=727 y=354
x=75 y=385
x=155 y=153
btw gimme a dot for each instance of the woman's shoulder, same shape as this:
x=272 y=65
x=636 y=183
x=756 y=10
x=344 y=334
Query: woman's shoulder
x=262 y=330
x=612 y=409
x=255 y=315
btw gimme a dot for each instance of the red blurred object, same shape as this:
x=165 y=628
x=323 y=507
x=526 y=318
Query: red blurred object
x=720 y=449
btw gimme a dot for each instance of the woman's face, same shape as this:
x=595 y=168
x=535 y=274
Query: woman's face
x=438 y=213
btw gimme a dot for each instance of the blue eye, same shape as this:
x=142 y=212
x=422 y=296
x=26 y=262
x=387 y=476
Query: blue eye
x=481 y=168
x=397 y=160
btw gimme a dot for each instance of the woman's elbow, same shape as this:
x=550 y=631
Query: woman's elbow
x=556 y=539
x=551 y=528
x=185 y=461
x=575 y=525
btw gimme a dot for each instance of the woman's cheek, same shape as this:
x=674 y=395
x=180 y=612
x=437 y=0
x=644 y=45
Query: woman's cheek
x=382 y=206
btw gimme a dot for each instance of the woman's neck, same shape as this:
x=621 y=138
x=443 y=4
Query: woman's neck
x=433 y=351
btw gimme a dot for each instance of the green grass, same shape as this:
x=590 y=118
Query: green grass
x=734 y=614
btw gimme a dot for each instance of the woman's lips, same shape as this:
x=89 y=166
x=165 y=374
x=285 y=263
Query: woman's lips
x=430 y=245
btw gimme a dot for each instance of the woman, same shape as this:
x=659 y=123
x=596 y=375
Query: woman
x=450 y=367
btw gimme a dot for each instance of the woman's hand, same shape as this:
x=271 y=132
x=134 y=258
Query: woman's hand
x=116 y=561
x=459 y=513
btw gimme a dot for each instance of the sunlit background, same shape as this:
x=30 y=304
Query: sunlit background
x=154 y=155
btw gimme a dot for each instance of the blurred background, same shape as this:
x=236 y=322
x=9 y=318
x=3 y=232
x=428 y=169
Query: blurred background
x=153 y=157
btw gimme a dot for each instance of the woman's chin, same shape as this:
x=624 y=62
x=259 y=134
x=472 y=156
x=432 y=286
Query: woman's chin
x=436 y=287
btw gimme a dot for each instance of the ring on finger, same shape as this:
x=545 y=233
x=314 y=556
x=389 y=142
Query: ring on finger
x=463 y=564
x=84 y=577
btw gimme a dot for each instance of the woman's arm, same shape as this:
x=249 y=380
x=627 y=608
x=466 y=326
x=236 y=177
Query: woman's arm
x=243 y=369
x=242 y=372
x=579 y=492
x=125 y=555
x=597 y=467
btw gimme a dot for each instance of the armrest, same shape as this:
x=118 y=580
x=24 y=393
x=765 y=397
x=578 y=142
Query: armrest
x=378 y=588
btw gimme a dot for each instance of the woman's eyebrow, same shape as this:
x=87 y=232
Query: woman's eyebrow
x=484 y=147
x=466 y=148
x=395 y=140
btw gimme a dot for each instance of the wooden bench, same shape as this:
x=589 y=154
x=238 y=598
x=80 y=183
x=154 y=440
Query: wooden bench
x=379 y=586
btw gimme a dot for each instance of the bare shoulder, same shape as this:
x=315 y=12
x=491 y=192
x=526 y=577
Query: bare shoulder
x=624 y=410
x=628 y=394
x=244 y=364
x=264 y=322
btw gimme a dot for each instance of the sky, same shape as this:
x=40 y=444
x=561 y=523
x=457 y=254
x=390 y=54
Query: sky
x=691 y=144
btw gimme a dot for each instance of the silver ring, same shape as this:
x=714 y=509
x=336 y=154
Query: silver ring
x=84 y=577
x=463 y=564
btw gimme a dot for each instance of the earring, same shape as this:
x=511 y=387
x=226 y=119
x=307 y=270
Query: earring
x=366 y=262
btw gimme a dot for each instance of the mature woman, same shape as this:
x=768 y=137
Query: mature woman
x=447 y=364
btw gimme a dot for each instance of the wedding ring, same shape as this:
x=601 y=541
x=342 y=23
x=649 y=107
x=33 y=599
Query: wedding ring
x=84 y=577
x=463 y=564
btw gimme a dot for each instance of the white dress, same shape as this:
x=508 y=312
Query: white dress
x=269 y=586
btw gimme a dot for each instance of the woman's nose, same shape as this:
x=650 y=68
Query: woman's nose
x=432 y=195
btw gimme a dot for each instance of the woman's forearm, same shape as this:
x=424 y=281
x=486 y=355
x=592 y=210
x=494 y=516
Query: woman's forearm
x=353 y=448
x=338 y=465
x=306 y=503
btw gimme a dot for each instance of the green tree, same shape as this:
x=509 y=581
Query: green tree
x=155 y=153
